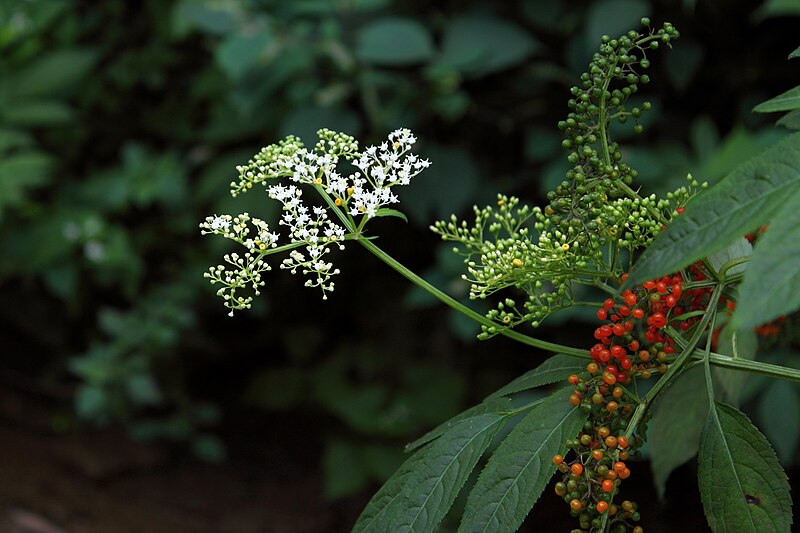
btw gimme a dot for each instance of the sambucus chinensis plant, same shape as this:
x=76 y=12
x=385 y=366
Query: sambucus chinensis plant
x=660 y=318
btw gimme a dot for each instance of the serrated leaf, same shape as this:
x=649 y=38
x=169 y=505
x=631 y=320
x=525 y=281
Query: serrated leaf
x=787 y=101
x=495 y=405
x=374 y=516
x=771 y=286
x=779 y=412
x=741 y=343
x=479 y=45
x=394 y=41
x=790 y=120
x=519 y=469
x=386 y=212
x=430 y=490
x=742 y=485
x=675 y=433
x=553 y=369
x=743 y=201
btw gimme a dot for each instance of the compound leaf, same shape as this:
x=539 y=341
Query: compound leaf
x=743 y=201
x=742 y=485
x=430 y=490
x=521 y=466
x=771 y=285
x=553 y=369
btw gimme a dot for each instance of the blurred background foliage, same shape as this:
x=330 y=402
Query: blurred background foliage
x=120 y=126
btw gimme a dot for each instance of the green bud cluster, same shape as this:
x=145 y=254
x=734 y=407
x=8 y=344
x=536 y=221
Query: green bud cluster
x=545 y=253
x=598 y=174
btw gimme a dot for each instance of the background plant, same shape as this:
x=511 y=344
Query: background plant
x=136 y=118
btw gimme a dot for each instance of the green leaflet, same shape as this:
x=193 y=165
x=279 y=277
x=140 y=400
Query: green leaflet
x=790 y=120
x=743 y=201
x=675 y=432
x=375 y=515
x=495 y=405
x=771 y=286
x=521 y=466
x=742 y=485
x=386 y=212
x=553 y=369
x=796 y=53
x=783 y=102
x=423 y=495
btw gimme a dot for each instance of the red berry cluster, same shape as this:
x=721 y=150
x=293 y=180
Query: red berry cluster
x=631 y=344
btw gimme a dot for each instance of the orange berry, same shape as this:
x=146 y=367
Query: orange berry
x=625 y=474
x=607 y=485
x=593 y=368
x=601 y=506
x=574 y=399
x=558 y=459
x=638 y=529
x=574 y=379
x=576 y=505
x=617 y=392
x=613 y=509
x=619 y=466
x=609 y=378
x=623 y=455
x=622 y=441
x=611 y=475
x=612 y=406
x=611 y=440
x=597 y=455
x=603 y=432
x=577 y=469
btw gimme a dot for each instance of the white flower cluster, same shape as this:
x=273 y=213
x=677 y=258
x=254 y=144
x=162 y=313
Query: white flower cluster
x=360 y=194
x=313 y=229
x=246 y=270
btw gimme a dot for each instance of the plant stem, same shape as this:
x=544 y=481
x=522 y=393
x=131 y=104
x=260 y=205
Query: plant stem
x=461 y=308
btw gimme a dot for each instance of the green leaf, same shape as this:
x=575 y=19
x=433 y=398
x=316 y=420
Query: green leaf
x=739 y=249
x=521 y=466
x=54 y=73
x=386 y=212
x=787 y=101
x=10 y=139
x=394 y=41
x=771 y=285
x=431 y=491
x=495 y=405
x=478 y=45
x=796 y=53
x=740 y=203
x=33 y=113
x=742 y=485
x=238 y=53
x=790 y=120
x=553 y=369
x=20 y=173
x=375 y=515
x=741 y=343
x=779 y=411
x=675 y=433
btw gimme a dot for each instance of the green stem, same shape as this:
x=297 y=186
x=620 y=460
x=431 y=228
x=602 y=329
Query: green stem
x=677 y=366
x=461 y=308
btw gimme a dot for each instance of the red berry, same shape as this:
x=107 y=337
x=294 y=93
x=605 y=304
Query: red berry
x=602 y=314
x=631 y=299
x=608 y=485
x=638 y=313
x=608 y=303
